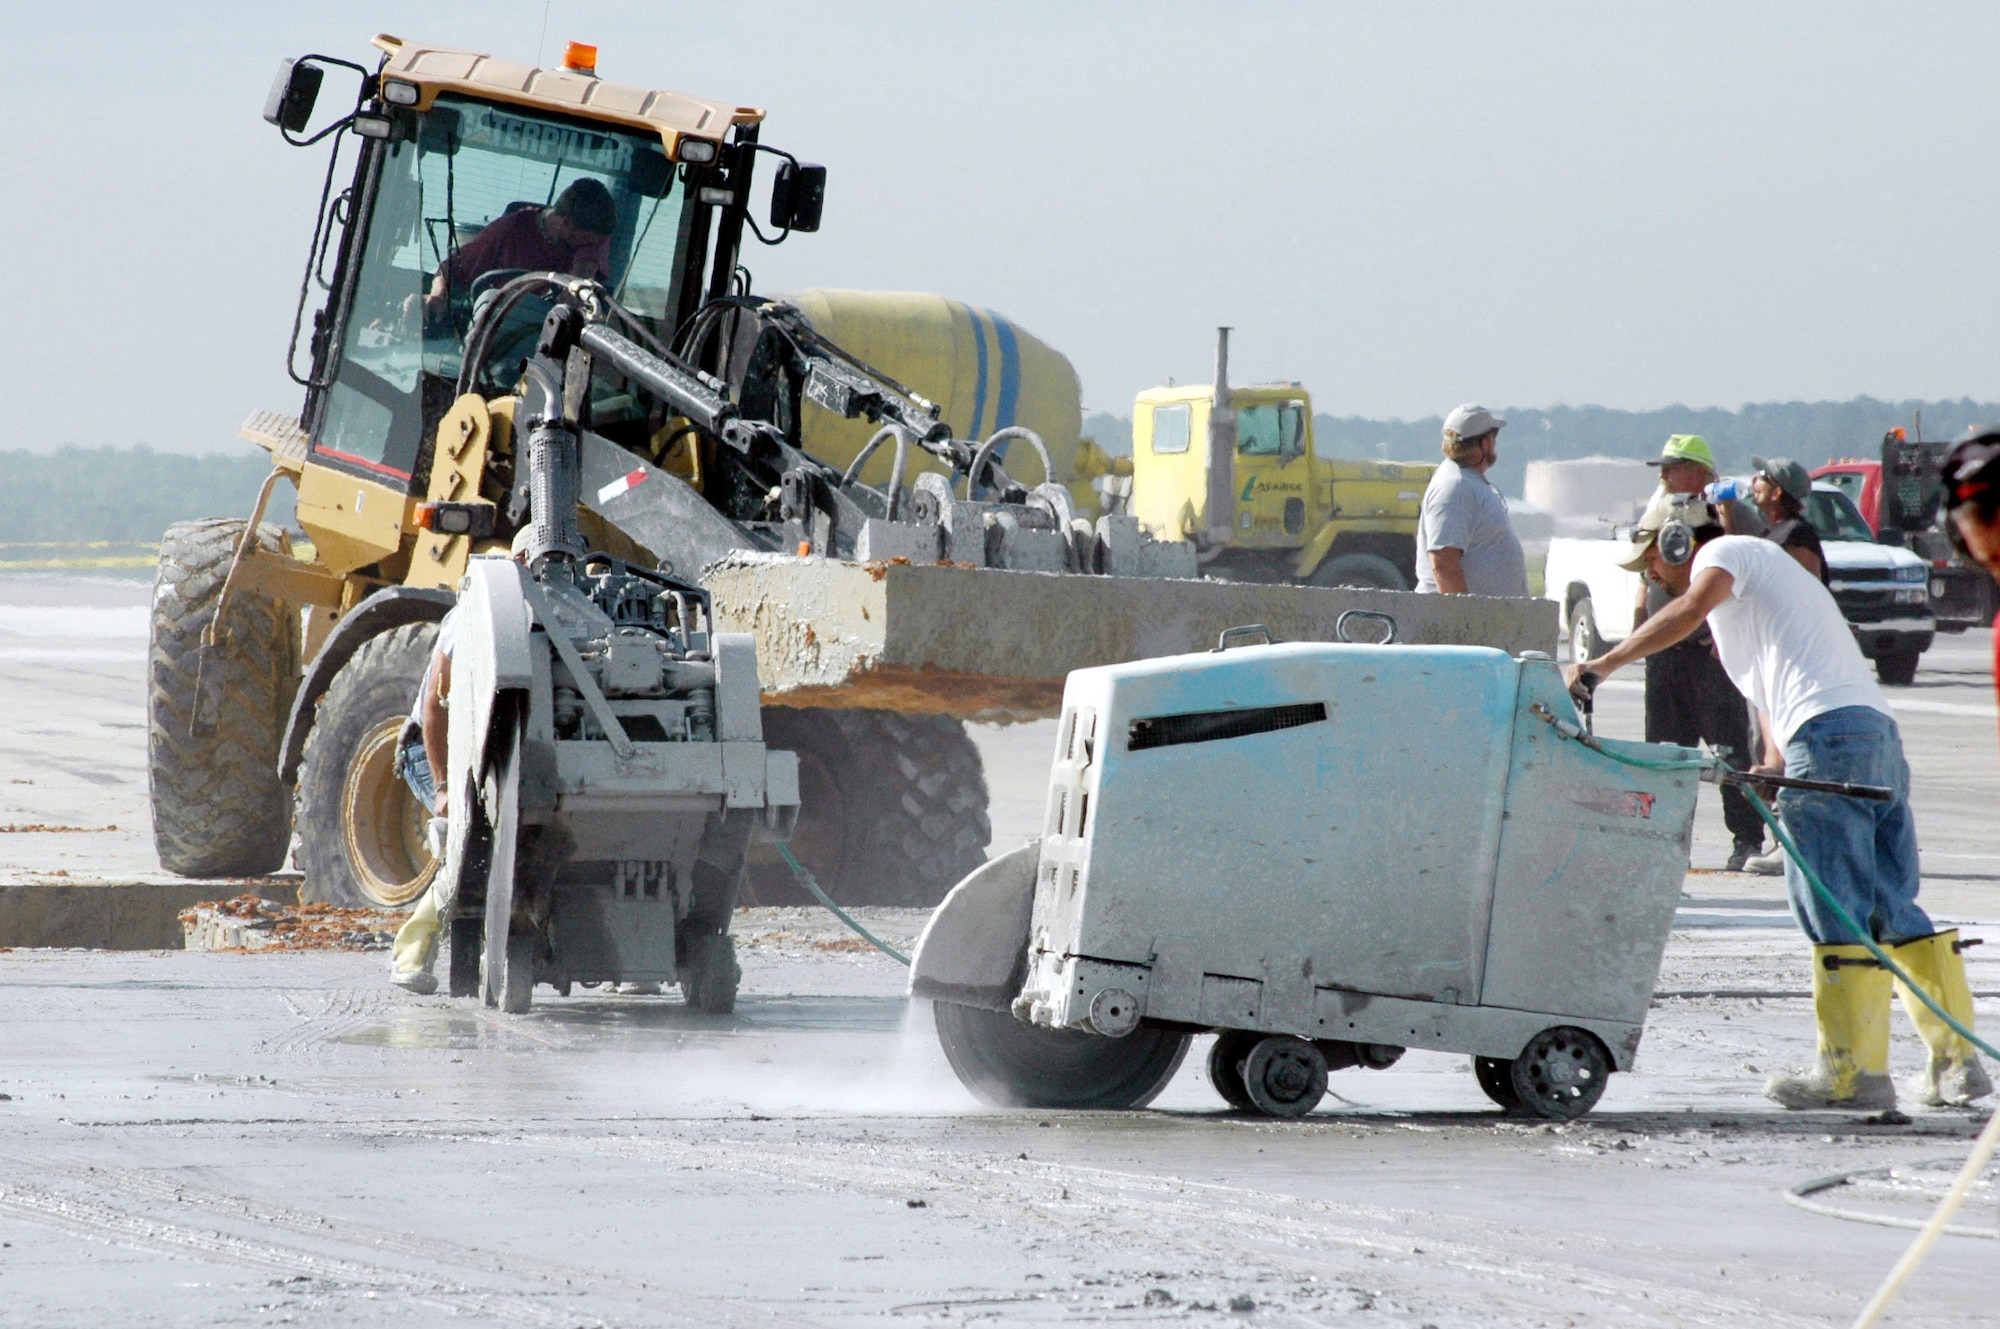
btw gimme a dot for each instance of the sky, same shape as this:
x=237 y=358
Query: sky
x=1402 y=206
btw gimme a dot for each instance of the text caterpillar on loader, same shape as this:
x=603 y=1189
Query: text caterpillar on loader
x=1324 y=854
x=711 y=424
x=607 y=748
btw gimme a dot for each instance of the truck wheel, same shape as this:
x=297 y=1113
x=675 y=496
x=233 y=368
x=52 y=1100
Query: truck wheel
x=361 y=830
x=892 y=808
x=1898 y=668
x=1009 y=1063
x=1368 y=570
x=1584 y=643
x=219 y=809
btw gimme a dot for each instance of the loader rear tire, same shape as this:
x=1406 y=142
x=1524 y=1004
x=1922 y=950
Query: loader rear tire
x=1009 y=1063
x=219 y=808
x=361 y=830
x=892 y=808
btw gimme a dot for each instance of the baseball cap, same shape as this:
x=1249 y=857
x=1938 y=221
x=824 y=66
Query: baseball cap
x=1694 y=511
x=1471 y=420
x=1785 y=473
x=1685 y=447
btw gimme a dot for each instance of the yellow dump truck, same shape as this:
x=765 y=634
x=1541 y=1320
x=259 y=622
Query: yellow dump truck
x=1235 y=470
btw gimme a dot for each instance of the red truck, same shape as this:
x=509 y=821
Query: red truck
x=1906 y=513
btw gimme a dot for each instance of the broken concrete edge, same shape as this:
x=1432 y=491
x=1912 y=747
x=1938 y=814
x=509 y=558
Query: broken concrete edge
x=248 y=923
x=983 y=644
x=119 y=916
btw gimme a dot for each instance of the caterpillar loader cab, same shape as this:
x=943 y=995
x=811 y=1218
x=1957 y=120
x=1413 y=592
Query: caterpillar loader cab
x=1234 y=469
x=467 y=203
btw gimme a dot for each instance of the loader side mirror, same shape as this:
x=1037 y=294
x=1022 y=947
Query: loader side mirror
x=293 y=94
x=798 y=192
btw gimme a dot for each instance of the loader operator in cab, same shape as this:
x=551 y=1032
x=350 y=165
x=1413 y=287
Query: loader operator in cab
x=1465 y=543
x=571 y=235
x=1785 y=645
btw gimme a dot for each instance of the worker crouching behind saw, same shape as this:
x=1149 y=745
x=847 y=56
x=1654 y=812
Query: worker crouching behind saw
x=1786 y=647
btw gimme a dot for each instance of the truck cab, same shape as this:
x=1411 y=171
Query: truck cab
x=1263 y=505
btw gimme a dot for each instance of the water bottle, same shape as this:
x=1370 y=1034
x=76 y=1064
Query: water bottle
x=1726 y=491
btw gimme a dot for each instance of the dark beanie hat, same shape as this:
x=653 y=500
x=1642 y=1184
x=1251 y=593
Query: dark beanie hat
x=588 y=204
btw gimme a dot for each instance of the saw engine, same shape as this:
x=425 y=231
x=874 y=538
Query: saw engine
x=606 y=758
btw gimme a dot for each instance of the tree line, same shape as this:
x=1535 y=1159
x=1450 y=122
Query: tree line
x=1809 y=432
x=131 y=495
x=126 y=495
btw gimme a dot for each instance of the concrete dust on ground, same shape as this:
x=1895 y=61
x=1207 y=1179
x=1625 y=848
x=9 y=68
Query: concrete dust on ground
x=281 y=1137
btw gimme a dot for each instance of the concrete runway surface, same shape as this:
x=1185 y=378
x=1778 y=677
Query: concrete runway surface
x=193 y=1139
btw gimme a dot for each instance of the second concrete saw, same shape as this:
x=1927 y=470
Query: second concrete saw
x=1325 y=854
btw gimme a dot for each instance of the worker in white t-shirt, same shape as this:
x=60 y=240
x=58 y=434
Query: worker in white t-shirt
x=1786 y=647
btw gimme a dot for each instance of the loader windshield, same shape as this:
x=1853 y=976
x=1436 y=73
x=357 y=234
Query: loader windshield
x=481 y=193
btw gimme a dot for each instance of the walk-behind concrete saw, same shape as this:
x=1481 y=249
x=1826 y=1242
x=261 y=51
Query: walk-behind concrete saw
x=605 y=755
x=1324 y=854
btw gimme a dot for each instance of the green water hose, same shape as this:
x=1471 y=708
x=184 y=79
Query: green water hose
x=813 y=887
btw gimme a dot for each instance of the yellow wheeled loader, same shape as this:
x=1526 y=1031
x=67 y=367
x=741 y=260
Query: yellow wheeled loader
x=868 y=531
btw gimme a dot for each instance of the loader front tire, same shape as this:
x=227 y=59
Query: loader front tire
x=361 y=830
x=1009 y=1063
x=219 y=808
x=892 y=808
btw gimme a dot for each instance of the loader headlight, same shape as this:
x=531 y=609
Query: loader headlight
x=699 y=151
x=398 y=93
x=373 y=126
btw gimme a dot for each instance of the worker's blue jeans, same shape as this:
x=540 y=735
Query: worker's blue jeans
x=1864 y=852
x=414 y=765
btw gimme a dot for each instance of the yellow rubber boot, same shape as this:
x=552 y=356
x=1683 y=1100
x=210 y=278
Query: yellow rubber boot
x=1953 y=1076
x=415 y=949
x=1851 y=1007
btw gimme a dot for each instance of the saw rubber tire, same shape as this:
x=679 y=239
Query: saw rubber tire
x=517 y=976
x=1284 y=1076
x=1496 y=1081
x=361 y=831
x=1561 y=1074
x=219 y=808
x=1009 y=1063
x=1225 y=1067
x=710 y=973
x=892 y=808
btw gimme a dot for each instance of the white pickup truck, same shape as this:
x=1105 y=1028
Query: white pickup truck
x=1882 y=591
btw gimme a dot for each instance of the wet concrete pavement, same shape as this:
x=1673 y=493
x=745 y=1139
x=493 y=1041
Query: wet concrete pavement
x=196 y=1139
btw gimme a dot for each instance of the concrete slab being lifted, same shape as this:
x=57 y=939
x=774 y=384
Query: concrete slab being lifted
x=995 y=646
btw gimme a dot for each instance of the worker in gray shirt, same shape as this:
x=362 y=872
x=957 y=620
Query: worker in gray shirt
x=1465 y=543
